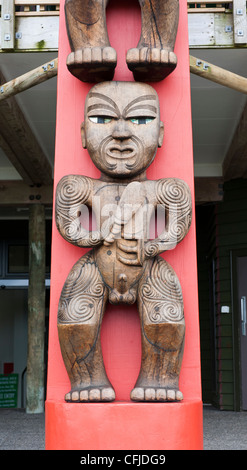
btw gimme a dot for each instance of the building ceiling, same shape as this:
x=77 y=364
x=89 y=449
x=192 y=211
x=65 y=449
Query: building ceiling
x=216 y=110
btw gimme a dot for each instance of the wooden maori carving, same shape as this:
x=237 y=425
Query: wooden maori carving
x=122 y=131
x=92 y=59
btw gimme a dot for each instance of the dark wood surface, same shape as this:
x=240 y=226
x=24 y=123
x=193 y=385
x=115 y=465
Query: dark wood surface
x=92 y=59
x=122 y=131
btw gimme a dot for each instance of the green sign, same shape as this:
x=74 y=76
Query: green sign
x=8 y=390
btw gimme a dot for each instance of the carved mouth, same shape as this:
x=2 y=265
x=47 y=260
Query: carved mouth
x=121 y=153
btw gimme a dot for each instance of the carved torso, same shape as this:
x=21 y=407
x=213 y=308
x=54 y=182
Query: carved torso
x=122 y=131
x=127 y=209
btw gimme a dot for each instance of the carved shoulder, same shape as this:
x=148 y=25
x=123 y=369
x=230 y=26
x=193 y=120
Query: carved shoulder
x=175 y=195
x=173 y=191
x=73 y=191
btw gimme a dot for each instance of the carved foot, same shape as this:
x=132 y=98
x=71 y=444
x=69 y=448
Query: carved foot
x=93 y=64
x=151 y=64
x=90 y=395
x=155 y=394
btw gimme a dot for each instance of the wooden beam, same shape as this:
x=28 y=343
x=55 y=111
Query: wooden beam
x=8 y=25
x=13 y=193
x=35 y=2
x=25 y=152
x=36 y=311
x=235 y=162
x=49 y=69
x=208 y=189
x=218 y=75
x=29 y=79
x=17 y=193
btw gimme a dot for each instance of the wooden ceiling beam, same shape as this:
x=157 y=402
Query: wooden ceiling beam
x=21 y=145
x=18 y=193
x=30 y=79
x=235 y=162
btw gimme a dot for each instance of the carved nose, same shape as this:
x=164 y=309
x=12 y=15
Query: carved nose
x=121 y=130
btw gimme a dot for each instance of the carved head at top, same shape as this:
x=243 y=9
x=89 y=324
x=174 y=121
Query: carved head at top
x=122 y=128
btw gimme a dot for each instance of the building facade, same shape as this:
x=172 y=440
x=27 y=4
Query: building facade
x=217 y=37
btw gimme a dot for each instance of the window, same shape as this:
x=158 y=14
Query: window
x=17 y=259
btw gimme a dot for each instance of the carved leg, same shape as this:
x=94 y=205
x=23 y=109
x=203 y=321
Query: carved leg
x=81 y=307
x=92 y=58
x=154 y=59
x=161 y=313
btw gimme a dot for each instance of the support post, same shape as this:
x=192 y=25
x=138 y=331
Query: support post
x=239 y=20
x=124 y=424
x=36 y=310
x=8 y=24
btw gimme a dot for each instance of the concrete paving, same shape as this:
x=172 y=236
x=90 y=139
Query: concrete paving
x=223 y=430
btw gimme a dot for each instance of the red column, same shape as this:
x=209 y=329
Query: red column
x=124 y=424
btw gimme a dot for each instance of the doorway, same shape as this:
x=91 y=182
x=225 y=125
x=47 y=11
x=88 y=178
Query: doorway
x=239 y=259
x=13 y=334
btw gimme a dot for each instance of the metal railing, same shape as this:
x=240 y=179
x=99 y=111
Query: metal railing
x=33 y=7
x=27 y=25
x=209 y=6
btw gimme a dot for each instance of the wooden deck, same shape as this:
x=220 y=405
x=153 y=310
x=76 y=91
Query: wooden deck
x=28 y=25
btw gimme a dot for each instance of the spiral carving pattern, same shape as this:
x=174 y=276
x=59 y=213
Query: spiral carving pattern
x=82 y=294
x=161 y=294
x=175 y=195
x=72 y=192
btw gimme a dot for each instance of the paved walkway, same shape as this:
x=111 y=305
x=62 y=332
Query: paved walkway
x=223 y=430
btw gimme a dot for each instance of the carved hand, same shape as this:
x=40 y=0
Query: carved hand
x=130 y=203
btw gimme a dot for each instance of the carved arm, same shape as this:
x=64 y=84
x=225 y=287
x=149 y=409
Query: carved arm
x=73 y=192
x=174 y=195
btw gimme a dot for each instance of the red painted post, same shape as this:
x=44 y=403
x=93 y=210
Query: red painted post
x=124 y=424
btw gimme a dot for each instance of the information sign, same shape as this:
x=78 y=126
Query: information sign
x=8 y=390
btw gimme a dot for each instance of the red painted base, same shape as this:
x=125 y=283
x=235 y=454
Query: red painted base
x=124 y=426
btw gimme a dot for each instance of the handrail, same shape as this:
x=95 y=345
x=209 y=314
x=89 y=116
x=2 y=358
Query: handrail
x=224 y=26
x=34 y=2
x=209 y=6
x=37 y=2
x=39 y=7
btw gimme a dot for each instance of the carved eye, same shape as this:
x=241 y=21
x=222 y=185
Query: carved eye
x=142 y=120
x=100 y=119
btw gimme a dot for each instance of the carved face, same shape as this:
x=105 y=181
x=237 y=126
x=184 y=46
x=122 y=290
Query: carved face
x=122 y=127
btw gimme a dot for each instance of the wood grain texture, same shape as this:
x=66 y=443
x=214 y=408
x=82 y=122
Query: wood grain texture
x=122 y=131
x=92 y=59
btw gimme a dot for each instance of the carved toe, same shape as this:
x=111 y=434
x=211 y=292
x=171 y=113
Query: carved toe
x=155 y=394
x=108 y=394
x=137 y=394
x=92 y=64
x=150 y=64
